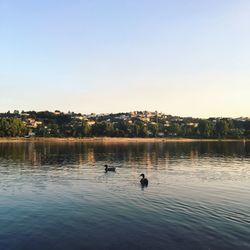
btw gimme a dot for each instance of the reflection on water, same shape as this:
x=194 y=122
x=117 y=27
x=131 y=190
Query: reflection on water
x=149 y=153
x=57 y=196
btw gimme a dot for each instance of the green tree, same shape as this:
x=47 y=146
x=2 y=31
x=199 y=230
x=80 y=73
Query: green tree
x=174 y=129
x=205 y=128
x=154 y=129
x=103 y=128
x=222 y=128
x=12 y=127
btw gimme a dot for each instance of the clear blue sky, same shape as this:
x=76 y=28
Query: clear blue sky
x=189 y=58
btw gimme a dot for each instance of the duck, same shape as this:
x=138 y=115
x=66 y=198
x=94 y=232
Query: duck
x=107 y=168
x=143 y=181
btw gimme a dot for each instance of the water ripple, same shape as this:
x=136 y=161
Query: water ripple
x=57 y=196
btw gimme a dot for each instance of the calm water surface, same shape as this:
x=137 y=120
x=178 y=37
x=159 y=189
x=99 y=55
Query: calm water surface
x=57 y=196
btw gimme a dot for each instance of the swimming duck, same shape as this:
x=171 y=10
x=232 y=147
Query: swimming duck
x=144 y=181
x=109 y=168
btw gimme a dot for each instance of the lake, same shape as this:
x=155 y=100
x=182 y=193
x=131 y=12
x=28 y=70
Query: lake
x=57 y=195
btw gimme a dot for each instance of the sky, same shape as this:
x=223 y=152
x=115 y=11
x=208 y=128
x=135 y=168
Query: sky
x=187 y=58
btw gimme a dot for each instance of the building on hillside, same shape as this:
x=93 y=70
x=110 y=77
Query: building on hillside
x=57 y=112
x=91 y=123
x=32 y=123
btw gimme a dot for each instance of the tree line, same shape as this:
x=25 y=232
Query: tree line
x=66 y=126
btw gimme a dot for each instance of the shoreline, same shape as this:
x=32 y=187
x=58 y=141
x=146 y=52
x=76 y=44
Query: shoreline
x=113 y=139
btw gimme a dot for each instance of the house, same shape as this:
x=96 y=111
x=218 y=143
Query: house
x=57 y=112
x=91 y=123
x=32 y=123
x=161 y=134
